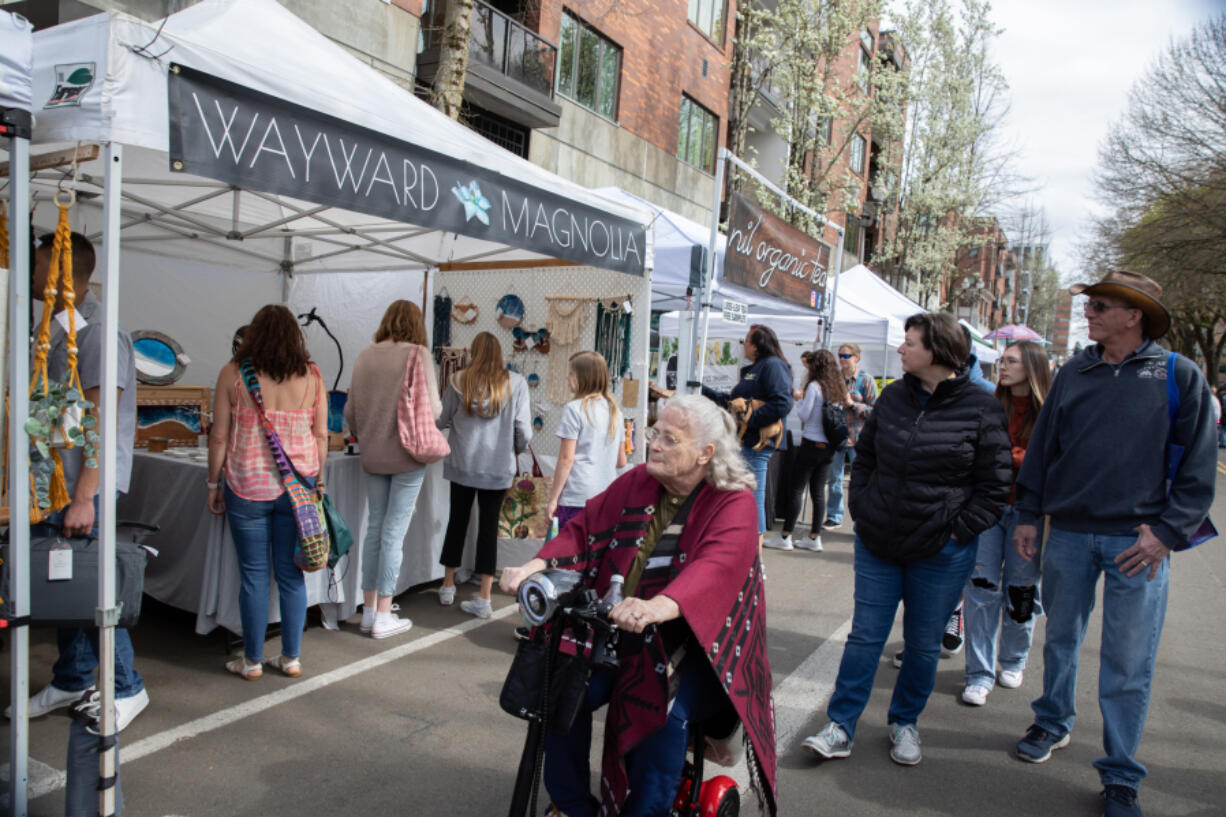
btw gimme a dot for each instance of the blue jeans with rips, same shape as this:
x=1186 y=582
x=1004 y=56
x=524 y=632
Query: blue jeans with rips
x=1133 y=612
x=392 y=498
x=843 y=458
x=757 y=462
x=265 y=537
x=928 y=589
x=654 y=766
x=1000 y=577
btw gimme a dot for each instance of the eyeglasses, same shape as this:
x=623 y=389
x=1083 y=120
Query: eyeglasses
x=1099 y=307
x=845 y=356
x=659 y=439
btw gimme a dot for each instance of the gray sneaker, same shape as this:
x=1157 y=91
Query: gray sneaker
x=829 y=743
x=906 y=740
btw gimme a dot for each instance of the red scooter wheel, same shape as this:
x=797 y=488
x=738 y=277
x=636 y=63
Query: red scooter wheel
x=719 y=797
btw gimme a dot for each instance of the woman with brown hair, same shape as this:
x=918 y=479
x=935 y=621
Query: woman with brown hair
x=1001 y=598
x=393 y=478
x=486 y=408
x=252 y=495
x=812 y=463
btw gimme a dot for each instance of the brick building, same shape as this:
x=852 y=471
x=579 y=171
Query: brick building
x=983 y=289
x=1062 y=317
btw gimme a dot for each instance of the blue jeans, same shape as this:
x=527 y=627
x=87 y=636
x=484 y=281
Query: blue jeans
x=1221 y=436
x=265 y=538
x=392 y=499
x=654 y=766
x=999 y=572
x=1133 y=612
x=78 y=647
x=757 y=462
x=928 y=589
x=834 y=503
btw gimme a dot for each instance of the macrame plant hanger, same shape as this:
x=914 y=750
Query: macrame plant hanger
x=613 y=336
x=565 y=325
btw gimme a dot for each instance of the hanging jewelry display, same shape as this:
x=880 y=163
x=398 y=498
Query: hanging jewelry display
x=442 y=323
x=452 y=359
x=465 y=311
x=613 y=336
x=565 y=325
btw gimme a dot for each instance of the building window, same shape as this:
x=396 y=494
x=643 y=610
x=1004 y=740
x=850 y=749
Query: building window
x=851 y=235
x=696 y=137
x=857 y=153
x=589 y=66
x=709 y=15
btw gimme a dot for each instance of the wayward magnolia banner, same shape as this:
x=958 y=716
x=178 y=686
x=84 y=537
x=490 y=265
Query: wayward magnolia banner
x=229 y=132
x=766 y=254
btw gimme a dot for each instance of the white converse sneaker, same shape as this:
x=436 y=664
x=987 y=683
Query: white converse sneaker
x=779 y=543
x=48 y=699
x=976 y=694
x=1010 y=679
x=368 y=620
x=446 y=595
x=813 y=543
x=126 y=709
x=389 y=624
x=479 y=607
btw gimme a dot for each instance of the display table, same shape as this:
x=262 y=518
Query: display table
x=197 y=567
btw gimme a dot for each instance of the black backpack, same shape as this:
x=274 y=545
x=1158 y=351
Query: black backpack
x=834 y=423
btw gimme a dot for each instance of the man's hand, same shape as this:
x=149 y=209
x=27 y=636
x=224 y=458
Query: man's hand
x=1147 y=552
x=1024 y=537
x=78 y=518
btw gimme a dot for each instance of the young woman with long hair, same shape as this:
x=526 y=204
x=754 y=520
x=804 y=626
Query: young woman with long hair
x=592 y=443
x=393 y=478
x=1002 y=596
x=486 y=408
x=812 y=463
x=252 y=495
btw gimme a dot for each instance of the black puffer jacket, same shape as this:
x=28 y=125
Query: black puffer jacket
x=924 y=473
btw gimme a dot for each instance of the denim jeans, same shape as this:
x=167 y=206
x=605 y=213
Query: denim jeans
x=654 y=766
x=845 y=456
x=265 y=537
x=1221 y=436
x=391 y=499
x=999 y=574
x=1133 y=612
x=757 y=462
x=928 y=589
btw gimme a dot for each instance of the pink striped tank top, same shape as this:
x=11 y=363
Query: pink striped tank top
x=251 y=471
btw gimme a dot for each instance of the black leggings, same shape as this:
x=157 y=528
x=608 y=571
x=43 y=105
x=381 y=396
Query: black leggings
x=811 y=467
x=489 y=503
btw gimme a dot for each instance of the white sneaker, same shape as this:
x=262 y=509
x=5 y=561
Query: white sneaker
x=1010 y=679
x=368 y=620
x=976 y=694
x=479 y=607
x=779 y=543
x=446 y=595
x=906 y=748
x=126 y=709
x=389 y=624
x=829 y=743
x=48 y=699
x=813 y=543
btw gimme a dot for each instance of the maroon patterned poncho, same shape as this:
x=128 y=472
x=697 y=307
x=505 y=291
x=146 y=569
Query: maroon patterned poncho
x=716 y=580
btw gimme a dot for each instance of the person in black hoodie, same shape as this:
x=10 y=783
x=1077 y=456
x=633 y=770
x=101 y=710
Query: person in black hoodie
x=932 y=471
x=768 y=378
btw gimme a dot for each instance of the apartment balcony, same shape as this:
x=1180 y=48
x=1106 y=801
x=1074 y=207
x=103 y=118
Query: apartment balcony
x=510 y=67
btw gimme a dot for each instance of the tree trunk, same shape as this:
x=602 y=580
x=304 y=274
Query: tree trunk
x=447 y=91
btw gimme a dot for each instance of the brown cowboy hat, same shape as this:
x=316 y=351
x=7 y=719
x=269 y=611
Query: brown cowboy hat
x=1140 y=291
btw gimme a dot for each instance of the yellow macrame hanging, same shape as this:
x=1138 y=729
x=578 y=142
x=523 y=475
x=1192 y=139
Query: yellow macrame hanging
x=59 y=276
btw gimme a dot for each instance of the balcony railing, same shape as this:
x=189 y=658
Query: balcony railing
x=505 y=45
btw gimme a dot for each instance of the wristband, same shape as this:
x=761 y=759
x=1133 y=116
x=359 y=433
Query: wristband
x=212 y=486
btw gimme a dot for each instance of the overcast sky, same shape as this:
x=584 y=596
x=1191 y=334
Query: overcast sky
x=1070 y=64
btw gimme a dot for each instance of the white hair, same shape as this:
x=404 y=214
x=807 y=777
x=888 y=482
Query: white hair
x=727 y=470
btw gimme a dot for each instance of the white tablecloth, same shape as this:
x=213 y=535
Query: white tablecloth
x=197 y=567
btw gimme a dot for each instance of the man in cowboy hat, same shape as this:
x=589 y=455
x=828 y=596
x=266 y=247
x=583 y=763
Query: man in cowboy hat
x=1096 y=464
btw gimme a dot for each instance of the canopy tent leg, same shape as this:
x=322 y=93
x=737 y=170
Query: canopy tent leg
x=18 y=593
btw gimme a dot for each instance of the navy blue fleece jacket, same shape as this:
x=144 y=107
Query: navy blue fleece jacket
x=767 y=379
x=1096 y=460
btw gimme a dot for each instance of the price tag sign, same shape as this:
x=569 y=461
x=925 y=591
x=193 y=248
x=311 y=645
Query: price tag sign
x=59 y=564
x=736 y=312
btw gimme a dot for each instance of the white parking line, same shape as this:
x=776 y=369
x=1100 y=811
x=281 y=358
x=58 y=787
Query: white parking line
x=808 y=687
x=225 y=717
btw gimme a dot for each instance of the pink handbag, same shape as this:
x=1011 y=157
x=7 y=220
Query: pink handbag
x=414 y=415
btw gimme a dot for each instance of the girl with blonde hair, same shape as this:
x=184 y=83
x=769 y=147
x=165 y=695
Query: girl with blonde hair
x=486 y=407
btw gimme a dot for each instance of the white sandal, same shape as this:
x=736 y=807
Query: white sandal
x=290 y=666
x=240 y=667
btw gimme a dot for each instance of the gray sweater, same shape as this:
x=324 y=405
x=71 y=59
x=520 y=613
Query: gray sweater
x=483 y=449
x=1097 y=456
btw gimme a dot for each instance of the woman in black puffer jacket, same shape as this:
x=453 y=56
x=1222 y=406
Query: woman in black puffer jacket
x=932 y=470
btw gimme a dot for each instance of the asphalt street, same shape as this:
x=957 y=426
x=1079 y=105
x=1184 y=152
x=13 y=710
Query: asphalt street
x=411 y=725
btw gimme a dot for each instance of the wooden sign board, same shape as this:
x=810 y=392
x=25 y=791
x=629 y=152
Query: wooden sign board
x=766 y=254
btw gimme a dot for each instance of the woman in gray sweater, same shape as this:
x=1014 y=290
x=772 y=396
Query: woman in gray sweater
x=393 y=478
x=487 y=409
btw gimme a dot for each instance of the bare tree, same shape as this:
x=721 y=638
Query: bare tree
x=447 y=90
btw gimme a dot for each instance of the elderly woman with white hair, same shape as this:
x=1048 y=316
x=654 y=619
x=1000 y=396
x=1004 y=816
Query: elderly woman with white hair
x=682 y=529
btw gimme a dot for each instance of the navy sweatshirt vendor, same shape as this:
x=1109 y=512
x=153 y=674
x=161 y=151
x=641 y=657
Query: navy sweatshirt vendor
x=767 y=379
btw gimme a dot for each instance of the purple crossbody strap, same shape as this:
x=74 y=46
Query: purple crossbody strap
x=288 y=472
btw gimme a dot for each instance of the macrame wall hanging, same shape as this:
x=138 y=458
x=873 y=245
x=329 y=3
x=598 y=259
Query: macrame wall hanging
x=442 y=322
x=613 y=336
x=451 y=360
x=565 y=325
